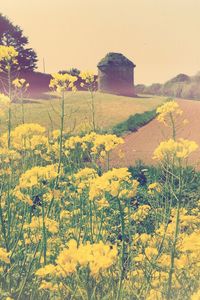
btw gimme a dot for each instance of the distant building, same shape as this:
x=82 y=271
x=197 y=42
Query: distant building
x=116 y=75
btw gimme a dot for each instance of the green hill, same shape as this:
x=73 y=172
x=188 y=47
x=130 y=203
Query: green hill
x=181 y=86
x=109 y=110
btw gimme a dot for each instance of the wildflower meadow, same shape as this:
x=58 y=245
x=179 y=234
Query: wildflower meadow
x=73 y=227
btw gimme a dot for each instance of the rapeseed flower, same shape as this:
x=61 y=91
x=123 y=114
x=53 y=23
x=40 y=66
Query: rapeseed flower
x=8 y=54
x=166 y=110
x=34 y=176
x=4 y=256
x=62 y=82
x=171 y=149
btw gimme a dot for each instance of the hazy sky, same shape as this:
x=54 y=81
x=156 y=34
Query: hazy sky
x=162 y=37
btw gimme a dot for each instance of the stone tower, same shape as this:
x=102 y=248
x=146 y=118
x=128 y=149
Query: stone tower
x=116 y=75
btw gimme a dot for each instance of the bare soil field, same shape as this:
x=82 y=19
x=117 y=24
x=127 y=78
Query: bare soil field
x=140 y=145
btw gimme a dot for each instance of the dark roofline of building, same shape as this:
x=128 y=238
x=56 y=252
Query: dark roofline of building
x=113 y=58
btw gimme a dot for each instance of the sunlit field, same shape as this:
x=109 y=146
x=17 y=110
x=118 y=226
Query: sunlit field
x=109 y=109
x=74 y=228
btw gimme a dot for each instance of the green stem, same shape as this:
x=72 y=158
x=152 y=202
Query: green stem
x=44 y=234
x=27 y=274
x=108 y=161
x=123 y=249
x=91 y=227
x=173 y=252
x=61 y=130
x=22 y=107
x=3 y=227
x=9 y=109
x=173 y=126
x=93 y=109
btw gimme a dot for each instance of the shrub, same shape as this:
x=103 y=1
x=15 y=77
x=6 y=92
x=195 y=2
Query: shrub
x=134 y=122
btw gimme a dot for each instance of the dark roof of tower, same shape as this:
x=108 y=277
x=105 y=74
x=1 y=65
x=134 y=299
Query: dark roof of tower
x=115 y=59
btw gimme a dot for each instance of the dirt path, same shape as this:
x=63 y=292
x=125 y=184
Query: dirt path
x=140 y=145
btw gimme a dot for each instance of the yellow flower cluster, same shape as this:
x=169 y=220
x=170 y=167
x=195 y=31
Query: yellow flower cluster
x=21 y=196
x=154 y=187
x=52 y=194
x=20 y=83
x=37 y=223
x=167 y=109
x=116 y=183
x=154 y=255
x=8 y=156
x=196 y=296
x=171 y=149
x=155 y=250
x=62 y=82
x=83 y=178
x=26 y=137
x=97 y=257
x=8 y=54
x=4 y=256
x=36 y=175
x=95 y=144
x=106 y=142
x=88 y=77
x=53 y=287
x=141 y=213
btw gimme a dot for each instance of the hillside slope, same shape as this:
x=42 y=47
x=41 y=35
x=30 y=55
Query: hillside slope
x=109 y=110
x=181 y=86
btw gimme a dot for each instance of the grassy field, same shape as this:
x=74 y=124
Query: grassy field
x=110 y=110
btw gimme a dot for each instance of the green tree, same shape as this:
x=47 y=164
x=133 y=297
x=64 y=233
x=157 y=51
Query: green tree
x=72 y=72
x=11 y=35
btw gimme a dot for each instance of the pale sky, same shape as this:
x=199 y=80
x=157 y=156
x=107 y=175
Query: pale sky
x=162 y=37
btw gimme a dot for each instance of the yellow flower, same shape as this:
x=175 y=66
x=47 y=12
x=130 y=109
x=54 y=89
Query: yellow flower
x=96 y=142
x=22 y=197
x=154 y=187
x=144 y=237
x=150 y=252
x=20 y=83
x=37 y=223
x=98 y=257
x=7 y=155
x=141 y=213
x=26 y=136
x=8 y=54
x=165 y=260
x=35 y=175
x=154 y=295
x=102 y=203
x=62 y=82
x=196 y=296
x=45 y=285
x=166 y=110
x=4 y=256
x=48 y=269
x=139 y=258
x=87 y=76
x=171 y=149
x=191 y=243
x=65 y=214
x=112 y=182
